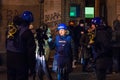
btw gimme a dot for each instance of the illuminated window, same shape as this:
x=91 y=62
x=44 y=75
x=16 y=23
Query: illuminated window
x=74 y=11
x=89 y=12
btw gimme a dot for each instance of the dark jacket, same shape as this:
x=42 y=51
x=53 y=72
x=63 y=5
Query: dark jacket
x=102 y=45
x=84 y=41
x=78 y=34
x=72 y=31
x=116 y=34
x=25 y=53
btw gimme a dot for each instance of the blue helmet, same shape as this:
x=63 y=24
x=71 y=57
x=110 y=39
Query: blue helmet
x=27 y=16
x=96 y=21
x=62 y=26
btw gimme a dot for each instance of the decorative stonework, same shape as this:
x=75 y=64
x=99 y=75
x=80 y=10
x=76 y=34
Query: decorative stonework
x=52 y=12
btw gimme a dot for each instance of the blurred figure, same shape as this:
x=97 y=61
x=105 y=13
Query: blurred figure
x=102 y=48
x=20 y=46
x=86 y=41
x=43 y=33
x=116 y=45
x=63 y=45
x=72 y=30
x=79 y=31
x=42 y=51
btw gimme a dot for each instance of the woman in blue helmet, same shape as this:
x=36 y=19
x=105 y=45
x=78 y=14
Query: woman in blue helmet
x=63 y=45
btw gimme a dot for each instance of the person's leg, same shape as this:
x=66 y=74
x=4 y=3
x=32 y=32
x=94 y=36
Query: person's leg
x=85 y=65
x=100 y=74
x=115 y=59
x=11 y=75
x=119 y=61
x=58 y=76
x=22 y=73
x=40 y=75
x=66 y=76
x=75 y=56
x=46 y=70
x=40 y=72
x=100 y=69
x=11 y=72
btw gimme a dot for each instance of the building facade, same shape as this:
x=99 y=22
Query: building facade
x=53 y=12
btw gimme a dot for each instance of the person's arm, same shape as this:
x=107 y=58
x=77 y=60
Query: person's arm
x=31 y=47
x=51 y=43
x=73 y=48
x=81 y=40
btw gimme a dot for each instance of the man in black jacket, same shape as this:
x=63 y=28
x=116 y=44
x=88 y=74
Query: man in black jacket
x=102 y=48
x=116 y=45
x=20 y=46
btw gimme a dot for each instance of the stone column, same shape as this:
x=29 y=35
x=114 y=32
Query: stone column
x=97 y=7
x=111 y=11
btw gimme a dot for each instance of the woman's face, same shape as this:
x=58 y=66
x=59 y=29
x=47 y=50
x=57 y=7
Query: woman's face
x=82 y=25
x=31 y=26
x=93 y=27
x=62 y=32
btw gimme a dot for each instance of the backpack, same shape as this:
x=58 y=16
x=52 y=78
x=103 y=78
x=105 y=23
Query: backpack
x=14 y=41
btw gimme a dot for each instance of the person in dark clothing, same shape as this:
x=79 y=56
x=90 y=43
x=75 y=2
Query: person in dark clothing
x=20 y=46
x=86 y=41
x=116 y=45
x=72 y=30
x=78 y=32
x=102 y=48
x=42 y=64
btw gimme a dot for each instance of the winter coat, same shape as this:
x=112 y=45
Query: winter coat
x=85 y=46
x=25 y=54
x=63 y=53
x=102 y=44
x=116 y=34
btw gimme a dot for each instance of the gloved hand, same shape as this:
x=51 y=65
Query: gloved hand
x=88 y=46
x=49 y=39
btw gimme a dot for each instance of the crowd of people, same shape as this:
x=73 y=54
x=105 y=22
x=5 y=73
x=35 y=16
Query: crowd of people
x=96 y=47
